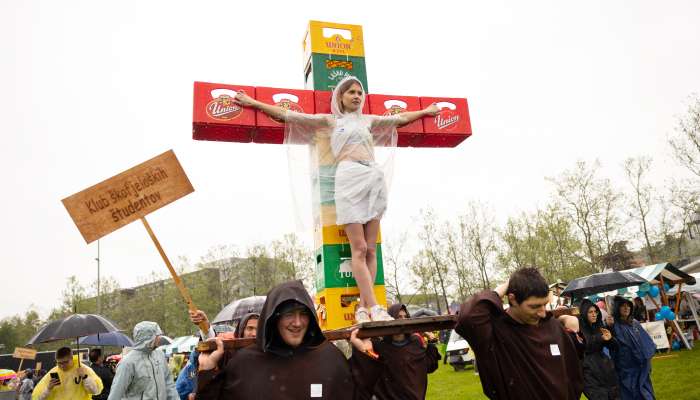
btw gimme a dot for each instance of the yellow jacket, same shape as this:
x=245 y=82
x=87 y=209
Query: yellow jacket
x=72 y=386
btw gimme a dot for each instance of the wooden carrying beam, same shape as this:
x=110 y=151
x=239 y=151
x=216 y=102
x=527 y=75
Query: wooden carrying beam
x=374 y=329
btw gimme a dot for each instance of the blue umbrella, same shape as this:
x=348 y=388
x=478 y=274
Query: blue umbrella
x=107 y=339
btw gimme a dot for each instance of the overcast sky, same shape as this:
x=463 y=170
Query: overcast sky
x=89 y=89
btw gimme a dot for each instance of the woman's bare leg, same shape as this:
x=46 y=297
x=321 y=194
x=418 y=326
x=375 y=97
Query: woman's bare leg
x=358 y=248
x=371 y=232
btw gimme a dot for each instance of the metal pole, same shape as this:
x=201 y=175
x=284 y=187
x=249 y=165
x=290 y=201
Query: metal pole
x=99 y=303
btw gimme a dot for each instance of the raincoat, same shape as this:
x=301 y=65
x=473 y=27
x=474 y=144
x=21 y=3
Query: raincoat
x=599 y=377
x=406 y=364
x=72 y=386
x=632 y=356
x=186 y=382
x=143 y=373
x=271 y=370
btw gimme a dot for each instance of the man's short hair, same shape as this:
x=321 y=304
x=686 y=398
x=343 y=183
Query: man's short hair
x=527 y=282
x=64 y=352
x=95 y=354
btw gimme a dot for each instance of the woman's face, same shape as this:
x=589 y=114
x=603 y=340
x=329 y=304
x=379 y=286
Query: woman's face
x=352 y=98
x=592 y=315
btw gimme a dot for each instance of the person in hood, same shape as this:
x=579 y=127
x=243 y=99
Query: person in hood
x=407 y=360
x=143 y=373
x=248 y=326
x=76 y=381
x=522 y=352
x=599 y=377
x=291 y=359
x=359 y=187
x=633 y=353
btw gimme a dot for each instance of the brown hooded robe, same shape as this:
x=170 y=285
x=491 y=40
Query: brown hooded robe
x=406 y=365
x=519 y=361
x=271 y=370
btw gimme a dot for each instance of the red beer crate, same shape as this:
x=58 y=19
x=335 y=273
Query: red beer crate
x=217 y=117
x=322 y=102
x=450 y=127
x=272 y=131
x=381 y=104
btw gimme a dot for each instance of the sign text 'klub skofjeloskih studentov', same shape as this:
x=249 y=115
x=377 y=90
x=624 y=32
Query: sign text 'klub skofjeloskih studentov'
x=128 y=196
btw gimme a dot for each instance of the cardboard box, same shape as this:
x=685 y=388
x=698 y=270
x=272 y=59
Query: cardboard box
x=217 y=117
x=272 y=131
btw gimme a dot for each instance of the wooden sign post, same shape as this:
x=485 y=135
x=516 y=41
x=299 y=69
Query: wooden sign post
x=23 y=354
x=107 y=206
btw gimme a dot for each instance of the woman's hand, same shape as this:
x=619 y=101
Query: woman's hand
x=209 y=361
x=432 y=110
x=243 y=99
x=606 y=334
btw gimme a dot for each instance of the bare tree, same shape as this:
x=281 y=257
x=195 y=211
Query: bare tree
x=685 y=143
x=396 y=265
x=636 y=170
x=432 y=247
x=479 y=227
x=578 y=193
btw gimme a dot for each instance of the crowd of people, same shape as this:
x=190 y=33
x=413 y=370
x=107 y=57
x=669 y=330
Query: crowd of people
x=523 y=352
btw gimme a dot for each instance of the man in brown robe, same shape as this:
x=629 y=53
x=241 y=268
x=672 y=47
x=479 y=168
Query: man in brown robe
x=523 y=352
x=407 y=361
x=291 y=358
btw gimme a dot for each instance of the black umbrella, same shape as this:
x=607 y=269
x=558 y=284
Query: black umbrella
x=602 y=282
x=73 y=326
x=238 y=308
x=107 y=339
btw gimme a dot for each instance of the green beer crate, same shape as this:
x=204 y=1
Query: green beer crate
x=324 y=71
x=330 y=271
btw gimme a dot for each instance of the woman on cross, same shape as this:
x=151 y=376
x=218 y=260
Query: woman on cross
x=360 y=190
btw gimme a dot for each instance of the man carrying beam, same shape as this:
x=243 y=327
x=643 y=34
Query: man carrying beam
x=523 y=352
x=290 y=359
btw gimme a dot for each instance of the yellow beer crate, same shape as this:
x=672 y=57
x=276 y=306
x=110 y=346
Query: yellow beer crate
x=333 y=38
x=335 y=307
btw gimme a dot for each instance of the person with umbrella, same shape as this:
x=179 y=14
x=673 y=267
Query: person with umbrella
x=69 y=380
x=632 y=356
x=599 y=377
x=143 y=372
x=104 y=372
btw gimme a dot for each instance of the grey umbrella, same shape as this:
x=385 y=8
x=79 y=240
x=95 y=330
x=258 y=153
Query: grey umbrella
x=238 y=308
x=601 y=282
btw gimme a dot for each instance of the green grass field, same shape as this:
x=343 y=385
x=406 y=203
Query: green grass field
x=675 y=376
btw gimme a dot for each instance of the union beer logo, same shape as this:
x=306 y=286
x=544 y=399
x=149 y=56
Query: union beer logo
x=223 y=108
x=287 y=105
x=446 y=120
x=393 y=110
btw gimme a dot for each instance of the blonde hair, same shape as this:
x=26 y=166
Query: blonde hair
x=344 y=87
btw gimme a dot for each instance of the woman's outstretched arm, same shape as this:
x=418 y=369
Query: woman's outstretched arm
x=275 y=112
x=410 y=116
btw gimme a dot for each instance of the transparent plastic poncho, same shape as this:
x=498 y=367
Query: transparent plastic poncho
x=340 y=163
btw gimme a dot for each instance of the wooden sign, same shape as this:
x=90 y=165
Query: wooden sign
x=24 y=353
x=131 y=195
